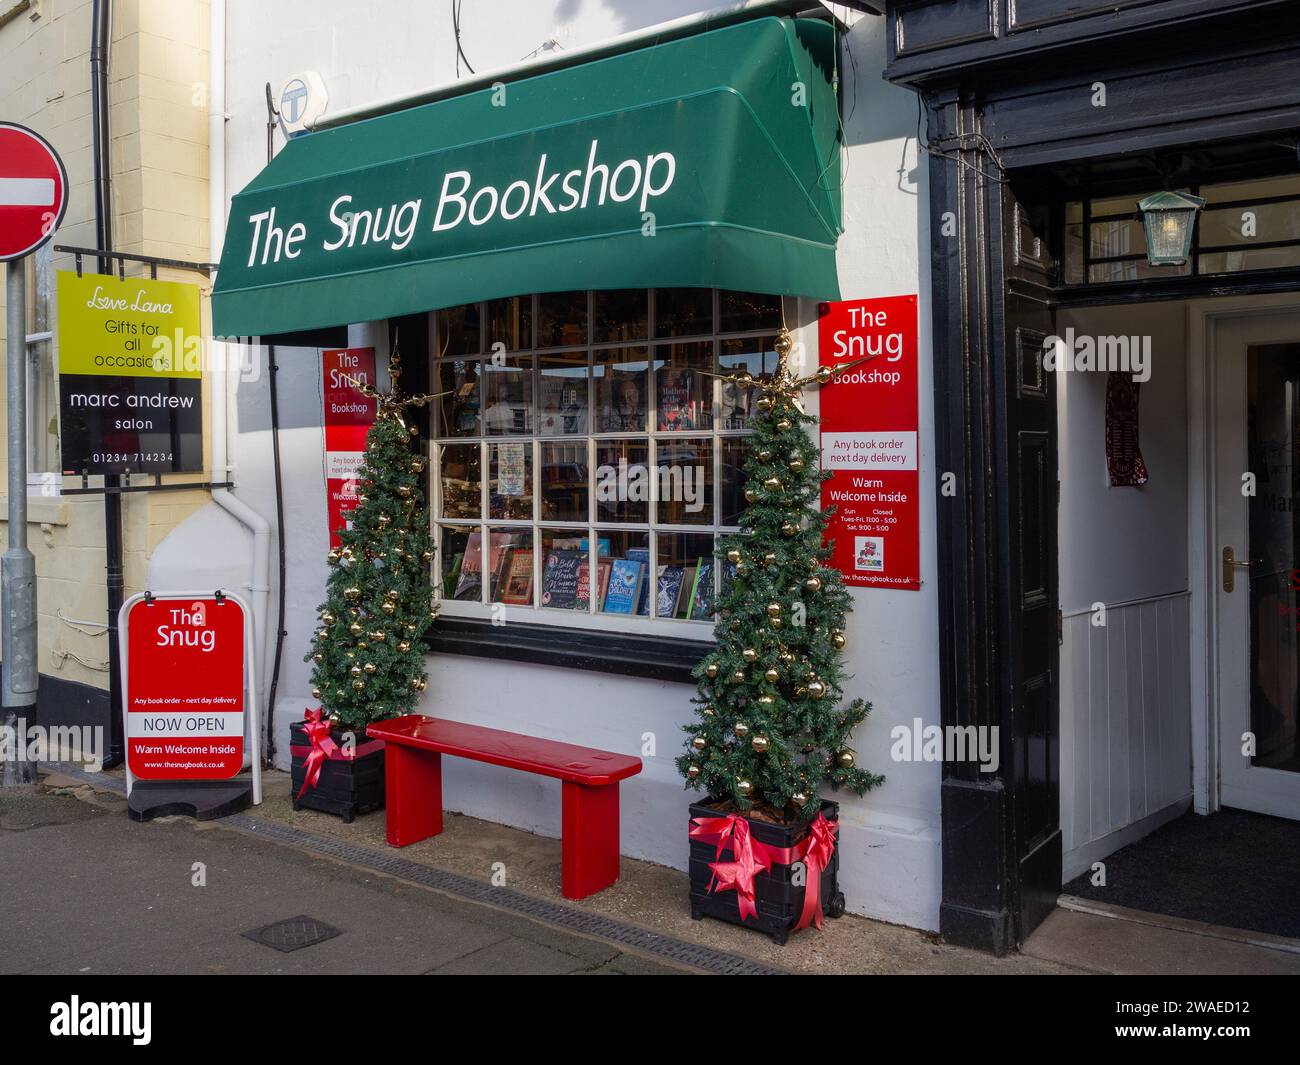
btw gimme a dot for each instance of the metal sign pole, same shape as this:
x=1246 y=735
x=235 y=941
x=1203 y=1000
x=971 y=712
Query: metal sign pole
x=18 y=566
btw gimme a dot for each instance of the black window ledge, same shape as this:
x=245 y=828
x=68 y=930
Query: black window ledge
x=625 y=654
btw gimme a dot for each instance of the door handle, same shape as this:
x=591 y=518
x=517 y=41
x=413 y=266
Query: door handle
x=1230 y=564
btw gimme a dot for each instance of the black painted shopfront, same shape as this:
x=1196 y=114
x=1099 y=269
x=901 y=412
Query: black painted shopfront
x=1028 y=105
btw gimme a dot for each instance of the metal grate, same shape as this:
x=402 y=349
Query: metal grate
x=575 y=920
x=293 y=933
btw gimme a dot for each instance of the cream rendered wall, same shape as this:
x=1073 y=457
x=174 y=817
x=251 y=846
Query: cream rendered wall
x=158 y=156
x=890 y=839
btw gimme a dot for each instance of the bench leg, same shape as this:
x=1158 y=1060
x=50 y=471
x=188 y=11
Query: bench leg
x=413 y=793
x=590 y=844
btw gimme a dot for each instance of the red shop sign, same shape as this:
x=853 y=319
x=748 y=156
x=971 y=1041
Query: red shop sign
x=348 y=417
x=186 y=664
x=869 y=422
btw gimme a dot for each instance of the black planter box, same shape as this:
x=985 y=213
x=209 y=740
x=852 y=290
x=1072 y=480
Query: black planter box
x=346 y=787
x=778 y=901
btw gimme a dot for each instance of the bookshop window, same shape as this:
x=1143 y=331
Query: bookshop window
x=583 y=433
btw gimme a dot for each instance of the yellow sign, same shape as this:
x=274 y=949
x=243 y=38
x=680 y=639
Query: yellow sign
x=129 y=328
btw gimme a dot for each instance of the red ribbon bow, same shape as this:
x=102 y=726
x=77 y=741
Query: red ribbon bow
x=752 y=857
x=323 y=747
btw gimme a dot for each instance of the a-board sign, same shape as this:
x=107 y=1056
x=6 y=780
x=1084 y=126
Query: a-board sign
x=130 y=375
x=869 y=438
x=187 y=687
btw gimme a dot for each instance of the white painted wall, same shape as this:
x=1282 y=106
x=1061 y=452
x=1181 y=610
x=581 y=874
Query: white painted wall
x=890 y=851
x=1125 y=687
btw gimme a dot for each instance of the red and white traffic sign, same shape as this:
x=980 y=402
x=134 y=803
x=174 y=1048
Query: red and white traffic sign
x=33 y=191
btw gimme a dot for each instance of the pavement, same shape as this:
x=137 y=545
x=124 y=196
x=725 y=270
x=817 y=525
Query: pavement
x=88 y=890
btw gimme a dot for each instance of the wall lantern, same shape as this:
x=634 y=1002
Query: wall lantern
x=1169 y=218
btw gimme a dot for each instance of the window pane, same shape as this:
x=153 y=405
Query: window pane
x=685 y=481
x=683 y=312
x=731 y=491
x=1266 y=221
x=457 y=582
x=510 y=484
x=458 y=410
x=562 y=399
x=622 y=393
x=623 y=481
x=1249 y=259
x=510 y=322
x=747 y=312
x=620 y=314
x=561 y=319
x=1261 y=188
x=508 y=389
x=758 y=358
x=684 y=585
x=564 y=481
x=628 y=589
x=565 y=566
x=461 y=476
x=458 y=330
x=682 y=386
x=512 y=566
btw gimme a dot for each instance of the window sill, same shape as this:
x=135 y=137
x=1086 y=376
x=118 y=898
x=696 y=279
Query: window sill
x=625 y=654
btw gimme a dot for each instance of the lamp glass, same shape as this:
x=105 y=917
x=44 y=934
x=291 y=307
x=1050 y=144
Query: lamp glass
x=1169 y=219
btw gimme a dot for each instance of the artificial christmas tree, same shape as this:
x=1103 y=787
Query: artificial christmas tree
x=368 y=652
x=771 y=728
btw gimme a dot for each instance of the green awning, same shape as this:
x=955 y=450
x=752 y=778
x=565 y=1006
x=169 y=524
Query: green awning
x=708 y=161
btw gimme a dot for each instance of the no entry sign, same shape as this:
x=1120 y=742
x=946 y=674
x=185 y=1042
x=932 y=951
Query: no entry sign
x=186 y=665
x=869 y=420
x=33 y=191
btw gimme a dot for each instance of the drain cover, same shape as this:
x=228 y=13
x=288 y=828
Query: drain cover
x=293 y=933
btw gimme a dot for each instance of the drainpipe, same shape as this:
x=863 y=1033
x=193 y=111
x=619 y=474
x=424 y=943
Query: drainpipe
x=260 y=572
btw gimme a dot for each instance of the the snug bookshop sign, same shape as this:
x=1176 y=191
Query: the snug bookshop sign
x=130 y=375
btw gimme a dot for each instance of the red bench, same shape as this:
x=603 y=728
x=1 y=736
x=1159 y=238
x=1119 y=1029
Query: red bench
x=415 y=744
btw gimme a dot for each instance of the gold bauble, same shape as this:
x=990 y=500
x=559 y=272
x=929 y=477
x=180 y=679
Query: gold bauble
x=404 y=491
x=796 y=465
x=749 y=654
x=355 y=671
x=359 y=685
x=733 y=555
x=394 y=594
x=426 y=556
x=744 y=788
x=764 y=455
x=769 y=558
x=711 y=670
x=785 y=424
x=692 y=771
x=388 y=607
x=789 y=528
x=318 y=657
x=383 y=520
x=772 y=482
x=813 y=584
x=816 y=689
x=709 y=711
x=799 y=799
x=699 y=743
x=417 y=465
x=404 y=646
x=771 y=676
x=741 y=729
x=739 y=676
x=838 y=640
x=333 y=556
x=378 y=636
x=338 y=693
x=750 y=495
x=773 y=609
x=369 y=667
x=327 y=617
x=315 y=693
x=764 y=403
x=414 y=430
x=846 y=758
x=787 y=657
x=766 y=700
x=415 y=683
x=352 y=594
x=355 y=628
x=759 y=743
x=774 y=622
x=422 y=685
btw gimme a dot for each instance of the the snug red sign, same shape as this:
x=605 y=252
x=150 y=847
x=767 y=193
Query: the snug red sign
x=185 y=701
x=869 y=422
x=348 y=417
